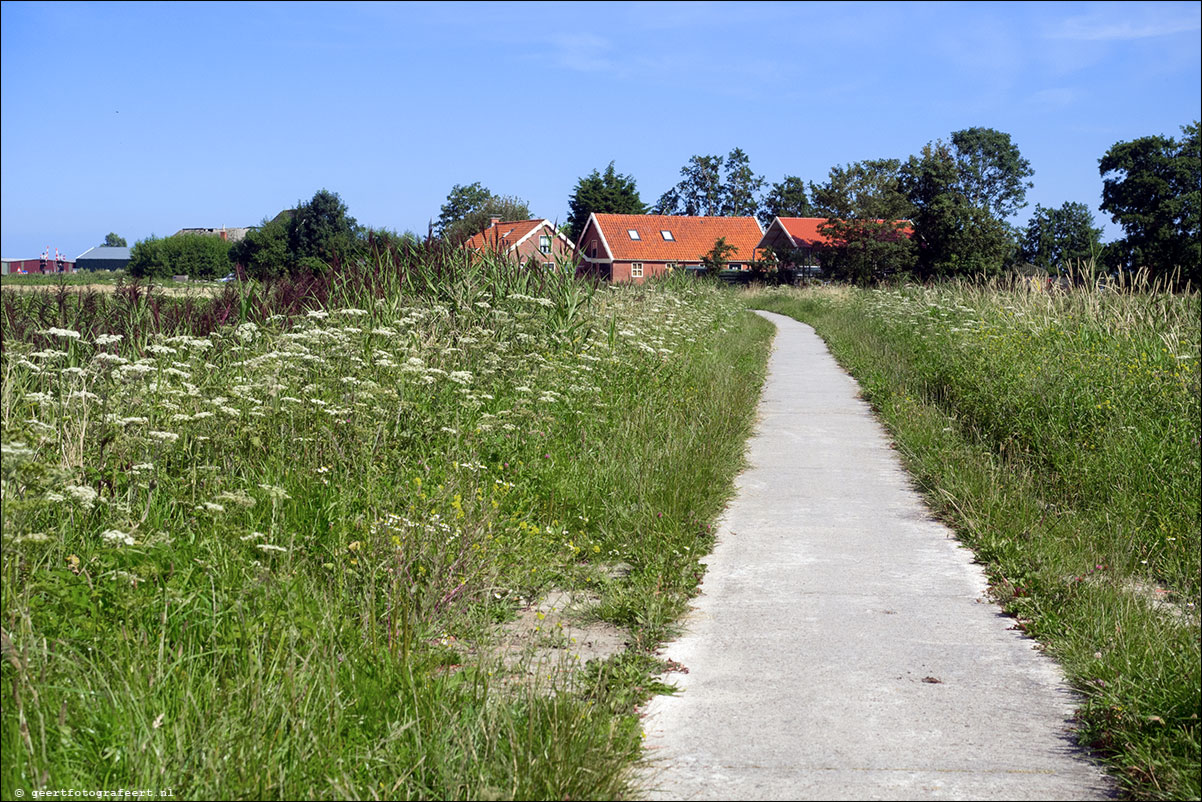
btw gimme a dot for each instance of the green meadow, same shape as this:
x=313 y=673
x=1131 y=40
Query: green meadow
x=259 y=545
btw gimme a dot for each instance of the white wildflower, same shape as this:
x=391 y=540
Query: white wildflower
x=67 y=334
x=166 y=437
x=117 y=538
x=86 y=496
x=109 y=339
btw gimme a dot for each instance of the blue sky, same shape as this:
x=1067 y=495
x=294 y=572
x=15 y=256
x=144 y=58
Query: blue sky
x=145 y=118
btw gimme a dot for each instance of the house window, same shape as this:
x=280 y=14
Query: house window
x=592 y=249
x=734 y=266
x=636 y=269
x=667 y=235
x=548 y=265
x=633 y=234
x=544 y=244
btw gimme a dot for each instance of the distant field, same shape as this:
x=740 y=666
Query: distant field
x=98 y=281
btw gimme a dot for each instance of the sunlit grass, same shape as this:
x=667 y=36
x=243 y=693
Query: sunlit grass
x=243 y=538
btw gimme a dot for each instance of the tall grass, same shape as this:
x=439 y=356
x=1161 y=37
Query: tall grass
x=247 y=539
x=1059 y=433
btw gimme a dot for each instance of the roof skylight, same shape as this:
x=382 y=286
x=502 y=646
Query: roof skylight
x=633 y=234
x=667 y=235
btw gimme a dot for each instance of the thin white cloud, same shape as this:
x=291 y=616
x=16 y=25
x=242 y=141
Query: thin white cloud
x=1138 y=21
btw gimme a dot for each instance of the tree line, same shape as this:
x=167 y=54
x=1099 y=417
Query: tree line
x=940 y=212
x=944 y=211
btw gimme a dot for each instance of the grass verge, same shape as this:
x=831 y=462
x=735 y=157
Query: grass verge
x=1059 y=436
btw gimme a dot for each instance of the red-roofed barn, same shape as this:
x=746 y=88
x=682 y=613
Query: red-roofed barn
x=522 y=240
x=634 y=247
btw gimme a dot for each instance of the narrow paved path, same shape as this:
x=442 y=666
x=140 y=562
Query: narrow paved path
x=843 y=646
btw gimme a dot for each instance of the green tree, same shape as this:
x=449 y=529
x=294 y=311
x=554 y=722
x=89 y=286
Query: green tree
x=606 y=193
x=147 y=259
x=786 y=199
x=716 y=259
x=111 y=240
x=1151 y=187
x=1058 y=237
x=461 y=201
x=864 y=251
x=953 y=236
x=699 y=193
x=305 y=239
x=263 y=252
x=322 y=229
x=992 y=173
x=742 y=186
x=194 y=255
x=868 y=190
x=469 y=208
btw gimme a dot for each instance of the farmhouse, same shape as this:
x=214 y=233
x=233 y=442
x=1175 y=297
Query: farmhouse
x=522 y=240
x=634 y=247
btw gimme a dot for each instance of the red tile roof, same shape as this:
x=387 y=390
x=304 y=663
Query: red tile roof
x=806 y=230
x=692 y=237
x=504 y=235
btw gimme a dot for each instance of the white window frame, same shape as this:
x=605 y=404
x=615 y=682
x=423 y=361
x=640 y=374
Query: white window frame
x=544 y=244
x=634 y=234
x=636 y=270
x=667 y=235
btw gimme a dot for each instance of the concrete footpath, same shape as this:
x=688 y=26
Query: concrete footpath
x=843 y=646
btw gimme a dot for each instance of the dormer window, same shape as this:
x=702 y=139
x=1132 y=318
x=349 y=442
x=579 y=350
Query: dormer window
x=667 y=235
x=633 y=234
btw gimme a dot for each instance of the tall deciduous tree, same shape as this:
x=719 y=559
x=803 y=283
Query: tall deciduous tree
x=461 y=201
x=1055 y=238
x=1151 y=187
x=322 y=229
x=111 y=240
x=742 y=186
x=786 y=199
x=708 y=191
x=606 y=193
x=699 y=192
x=468 y=209
x=992 y=173
x=307 y=238
x=954 y=236
x=866 y=190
